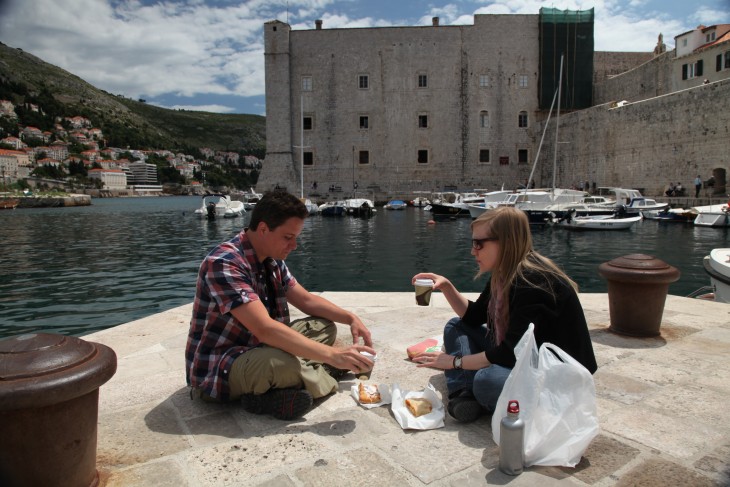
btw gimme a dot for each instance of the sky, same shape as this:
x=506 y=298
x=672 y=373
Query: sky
x=208 y=54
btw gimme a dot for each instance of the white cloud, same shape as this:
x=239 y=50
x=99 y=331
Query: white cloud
x=189 y=49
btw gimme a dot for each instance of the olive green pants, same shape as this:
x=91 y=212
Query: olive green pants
x=264 y=367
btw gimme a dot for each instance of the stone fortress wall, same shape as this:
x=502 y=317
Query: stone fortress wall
x=671 y=130
x=648 y=143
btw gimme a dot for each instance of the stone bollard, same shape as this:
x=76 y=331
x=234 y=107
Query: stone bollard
x=49 y=404
x=637 y=290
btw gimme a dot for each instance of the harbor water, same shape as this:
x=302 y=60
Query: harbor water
x=80 y=269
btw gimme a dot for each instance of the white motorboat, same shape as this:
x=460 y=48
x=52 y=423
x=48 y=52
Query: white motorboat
x=250 y=198
x=597 y=222
x=491 y=200
x=712 y=215
x=312 y=208
x=359 y=207
x=220 y=206
x=535 y=202
x=641 y=204
x=717 y=266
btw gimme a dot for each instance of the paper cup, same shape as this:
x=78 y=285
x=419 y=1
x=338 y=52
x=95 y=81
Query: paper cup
x=424 y=288
x=366 y=375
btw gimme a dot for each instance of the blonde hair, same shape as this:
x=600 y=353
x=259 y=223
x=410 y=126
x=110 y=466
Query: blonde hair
x=516 y=259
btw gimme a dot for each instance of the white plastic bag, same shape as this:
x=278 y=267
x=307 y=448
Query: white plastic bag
x=557 y=399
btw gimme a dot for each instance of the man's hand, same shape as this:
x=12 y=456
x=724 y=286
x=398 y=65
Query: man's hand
x=358 y=329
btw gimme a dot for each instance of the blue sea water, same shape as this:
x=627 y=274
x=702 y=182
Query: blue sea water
x=80 y=269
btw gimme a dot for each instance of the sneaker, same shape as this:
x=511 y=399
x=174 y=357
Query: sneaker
x=465 y=408
x=280 y=403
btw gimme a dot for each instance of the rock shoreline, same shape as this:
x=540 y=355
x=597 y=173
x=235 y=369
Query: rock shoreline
x=50 y=201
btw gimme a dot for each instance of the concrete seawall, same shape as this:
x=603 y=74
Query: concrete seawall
x=662 y=408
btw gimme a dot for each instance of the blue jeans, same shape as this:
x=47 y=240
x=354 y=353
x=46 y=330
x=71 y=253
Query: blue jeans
x=486 y=384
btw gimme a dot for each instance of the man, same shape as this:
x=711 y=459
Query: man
x=241 y=343
x=698 y=186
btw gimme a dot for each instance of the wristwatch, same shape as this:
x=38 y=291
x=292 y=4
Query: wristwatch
x=457 y=362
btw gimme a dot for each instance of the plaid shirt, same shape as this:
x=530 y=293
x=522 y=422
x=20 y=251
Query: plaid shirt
x=229 y=276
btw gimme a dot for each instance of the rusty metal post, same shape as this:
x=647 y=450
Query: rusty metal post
x=637 y=290
x=49 y=391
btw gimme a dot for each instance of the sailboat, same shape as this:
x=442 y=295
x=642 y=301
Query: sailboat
x=536 y=203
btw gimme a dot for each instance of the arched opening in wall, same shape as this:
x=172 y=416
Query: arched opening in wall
x=719 y=175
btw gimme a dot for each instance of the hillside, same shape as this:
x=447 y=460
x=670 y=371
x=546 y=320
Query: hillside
x=161 y=128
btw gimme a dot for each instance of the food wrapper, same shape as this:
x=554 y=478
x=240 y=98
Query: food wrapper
x=428 y=345
x=432 y=420
x=385 y=395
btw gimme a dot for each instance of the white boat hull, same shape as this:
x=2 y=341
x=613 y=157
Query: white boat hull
x=598 y=223
x=712 y=216
x=717 y=266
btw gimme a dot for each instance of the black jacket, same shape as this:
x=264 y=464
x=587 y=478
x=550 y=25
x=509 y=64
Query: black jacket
x=558 y=319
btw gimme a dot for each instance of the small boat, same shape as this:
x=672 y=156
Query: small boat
x=712 y=215
x=679 y=215
x=717 y=266
x=220 y=205
x=455 y=204
x=640 y=204
x=9 y=203
x=419 y=202
x=312 y=208
x=395 y=205
x=597 y=222
x=250 y=198
x=359 y=207
x=333 y=208
x=491 y=200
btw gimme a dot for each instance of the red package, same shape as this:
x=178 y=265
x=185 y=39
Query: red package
x=417 y=349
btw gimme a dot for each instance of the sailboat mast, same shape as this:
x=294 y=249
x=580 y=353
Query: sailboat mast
x=301 y=145
x=557 y=125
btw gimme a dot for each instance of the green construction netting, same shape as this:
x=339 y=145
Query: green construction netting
x=567 y=33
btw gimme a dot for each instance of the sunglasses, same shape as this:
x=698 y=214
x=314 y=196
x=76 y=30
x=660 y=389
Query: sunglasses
x=478 y=243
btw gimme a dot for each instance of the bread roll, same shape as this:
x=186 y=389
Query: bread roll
x=369 y=394
x=418 y=406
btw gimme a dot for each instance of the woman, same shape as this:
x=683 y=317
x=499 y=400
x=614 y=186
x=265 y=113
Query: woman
x=525 y=287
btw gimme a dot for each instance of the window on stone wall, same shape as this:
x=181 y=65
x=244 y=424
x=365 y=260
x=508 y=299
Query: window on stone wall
x=363 y=82
x=484 y=156
x=504 y=160
x=364 y=122
x=423 y=81
x=483 y=81
x=307 y=123
x=364 y=157
x=522 y=81
x=423 y=121
x=522 y=120
x=522 y=156
x=306 y=83
x=308 y=159
x=484 y=119
x=422 y=156
x=727 y=59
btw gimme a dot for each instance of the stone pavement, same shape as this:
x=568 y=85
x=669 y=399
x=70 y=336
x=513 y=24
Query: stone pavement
x=662 y=405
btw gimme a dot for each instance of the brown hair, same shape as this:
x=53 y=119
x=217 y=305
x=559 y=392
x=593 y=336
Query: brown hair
x=275 y=208
x=516 y=259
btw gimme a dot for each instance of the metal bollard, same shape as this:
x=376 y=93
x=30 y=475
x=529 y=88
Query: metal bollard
x=49 y=404
x=637 y=290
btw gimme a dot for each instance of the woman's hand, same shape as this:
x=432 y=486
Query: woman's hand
x=435 y=360
x=438 y=281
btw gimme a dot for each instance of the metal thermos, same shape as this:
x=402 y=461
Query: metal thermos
x=511 y=440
